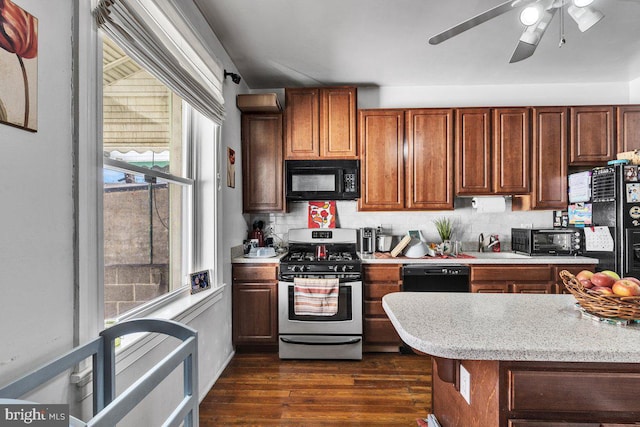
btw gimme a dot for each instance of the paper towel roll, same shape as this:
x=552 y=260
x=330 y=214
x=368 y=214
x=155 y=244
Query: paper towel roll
x=489 y=204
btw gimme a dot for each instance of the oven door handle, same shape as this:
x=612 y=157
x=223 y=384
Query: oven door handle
x=348 y=342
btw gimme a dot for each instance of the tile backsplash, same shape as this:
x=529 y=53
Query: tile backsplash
x=468 y=223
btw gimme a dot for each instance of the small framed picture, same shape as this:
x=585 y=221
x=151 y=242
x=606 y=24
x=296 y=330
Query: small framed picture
x=200 y=281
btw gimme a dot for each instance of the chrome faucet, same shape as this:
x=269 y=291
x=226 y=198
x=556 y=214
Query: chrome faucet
x=481 y=242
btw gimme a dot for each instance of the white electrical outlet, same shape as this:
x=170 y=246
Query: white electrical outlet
x=465 y=384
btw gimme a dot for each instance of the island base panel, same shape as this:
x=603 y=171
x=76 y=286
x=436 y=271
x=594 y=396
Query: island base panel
x=537 y=394
x=450 y=407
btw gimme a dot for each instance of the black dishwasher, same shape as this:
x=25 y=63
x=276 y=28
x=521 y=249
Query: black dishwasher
x=431 y=278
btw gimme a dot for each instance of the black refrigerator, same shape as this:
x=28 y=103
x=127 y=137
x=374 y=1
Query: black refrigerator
x=615 y=198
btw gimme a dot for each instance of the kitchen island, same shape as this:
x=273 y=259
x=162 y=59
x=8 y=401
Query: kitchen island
x=533 y=360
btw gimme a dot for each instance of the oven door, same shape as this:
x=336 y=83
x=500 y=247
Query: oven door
x=348 y=319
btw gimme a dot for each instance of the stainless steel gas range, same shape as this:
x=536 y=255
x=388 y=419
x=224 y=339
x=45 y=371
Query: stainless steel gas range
x=326 y=261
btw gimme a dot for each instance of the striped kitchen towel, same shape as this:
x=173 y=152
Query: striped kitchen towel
x=315 y=297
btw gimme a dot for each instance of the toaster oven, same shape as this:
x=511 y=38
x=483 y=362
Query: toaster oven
x=553 y=241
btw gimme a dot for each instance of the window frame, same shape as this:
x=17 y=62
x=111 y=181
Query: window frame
x=193 y=166
x=188 y=248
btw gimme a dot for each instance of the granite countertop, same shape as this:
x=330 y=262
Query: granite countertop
x=477 y=258
x=240 y=259
x=469 y=258
x=508 y=327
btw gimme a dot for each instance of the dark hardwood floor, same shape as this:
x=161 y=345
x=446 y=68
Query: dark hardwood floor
x=383 y=389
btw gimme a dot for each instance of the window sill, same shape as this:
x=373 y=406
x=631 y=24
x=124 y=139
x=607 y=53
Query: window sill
x=183 y=309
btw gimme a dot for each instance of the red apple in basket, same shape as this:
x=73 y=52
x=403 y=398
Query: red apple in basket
x=602 y=279
x=584 y=277
x=633 y=279
x=603 y=290
x=625 y=288
x=612 y=274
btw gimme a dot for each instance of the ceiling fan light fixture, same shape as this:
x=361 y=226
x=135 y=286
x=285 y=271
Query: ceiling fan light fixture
x=530 y=15
x=582 y=3
x=586 y=17
x=531 y=36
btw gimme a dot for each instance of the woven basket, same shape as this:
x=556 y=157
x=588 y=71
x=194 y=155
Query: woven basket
x=611 y=306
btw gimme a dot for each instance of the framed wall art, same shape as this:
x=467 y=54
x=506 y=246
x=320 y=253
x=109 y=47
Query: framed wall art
x=231 y=167
x=18 y=67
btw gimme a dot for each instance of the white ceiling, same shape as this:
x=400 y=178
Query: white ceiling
x=285 y=43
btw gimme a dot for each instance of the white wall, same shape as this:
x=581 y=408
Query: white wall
x=36 y=249
x=634 y=91
x=493 y=95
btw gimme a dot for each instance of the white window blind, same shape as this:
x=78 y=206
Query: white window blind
x=160 y=41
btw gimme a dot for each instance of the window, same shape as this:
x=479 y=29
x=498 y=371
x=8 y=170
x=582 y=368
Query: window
x=148 y=194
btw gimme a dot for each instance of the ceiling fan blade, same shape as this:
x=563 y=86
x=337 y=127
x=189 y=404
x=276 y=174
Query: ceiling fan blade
x=478 y=19
x=531 y=37
x=522 y=51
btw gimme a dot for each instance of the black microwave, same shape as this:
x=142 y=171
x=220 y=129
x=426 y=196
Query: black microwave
x=552 y=241
x=322 y=179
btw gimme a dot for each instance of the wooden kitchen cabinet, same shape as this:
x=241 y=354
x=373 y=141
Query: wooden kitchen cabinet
x=262 y=163
x=423 y=180
x=512 y=279
x=549 y=161
x=255 y=307
x=321 y=123
x=492 y=151
x=379 y=333
x=382 y=160
x=429 y=167
x=592 y=135
x=511 y=150
x=558 y=394
x=628 y=126
x=473 y=151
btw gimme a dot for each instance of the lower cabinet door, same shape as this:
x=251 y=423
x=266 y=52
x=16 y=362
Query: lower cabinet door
x=255 y=316
x=380 y=331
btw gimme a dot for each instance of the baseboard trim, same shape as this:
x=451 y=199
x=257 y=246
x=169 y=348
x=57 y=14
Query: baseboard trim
x=216 y=376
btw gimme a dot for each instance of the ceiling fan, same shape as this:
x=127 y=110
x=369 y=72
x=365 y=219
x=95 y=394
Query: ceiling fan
x=536 y=16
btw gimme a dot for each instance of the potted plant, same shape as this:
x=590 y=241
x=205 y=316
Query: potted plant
x=445 y=228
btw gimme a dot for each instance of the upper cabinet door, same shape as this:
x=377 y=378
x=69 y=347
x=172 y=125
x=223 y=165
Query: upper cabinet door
x=628 y=119
x=429 y=170
x=511 y=150
x=473 y=151
x=262 y=168
x=338 y=123
x=321 y=123
x=592 y=141
x=549 y=158
x=302 y=120
x=382 y=160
